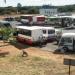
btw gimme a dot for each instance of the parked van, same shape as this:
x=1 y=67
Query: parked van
x=30 y=35
x=67 y=42
x=48 y=32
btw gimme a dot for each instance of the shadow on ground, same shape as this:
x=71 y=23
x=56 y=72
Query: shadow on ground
x=3 y=53
x=19 y=45
x=65 y=53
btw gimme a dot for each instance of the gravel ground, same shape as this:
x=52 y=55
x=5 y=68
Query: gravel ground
x=52 y=46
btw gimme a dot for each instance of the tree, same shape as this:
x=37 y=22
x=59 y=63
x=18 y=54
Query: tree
x=19 y=7
x=6 y=33
x=33 y=10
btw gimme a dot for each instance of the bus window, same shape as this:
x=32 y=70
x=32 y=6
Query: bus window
x=25 y=32
x=65 y=40
x=44 y=31
x=51 y=31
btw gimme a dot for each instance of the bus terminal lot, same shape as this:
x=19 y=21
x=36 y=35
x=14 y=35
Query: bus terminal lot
x=50 y=46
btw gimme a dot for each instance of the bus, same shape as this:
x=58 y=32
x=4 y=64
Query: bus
x=30 y=35
x=67 y=42
x=26 y=19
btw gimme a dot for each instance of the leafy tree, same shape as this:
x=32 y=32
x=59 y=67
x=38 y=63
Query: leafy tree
x=33 y=10
x=19 y=7
x=23 y=12
x=6 y=33
x=66 y=8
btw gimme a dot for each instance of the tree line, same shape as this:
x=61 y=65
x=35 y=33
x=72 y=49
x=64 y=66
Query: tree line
x=66 y=8
x=19 y=9
x=32 y=9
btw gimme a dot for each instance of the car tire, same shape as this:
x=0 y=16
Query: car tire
x=65 y=49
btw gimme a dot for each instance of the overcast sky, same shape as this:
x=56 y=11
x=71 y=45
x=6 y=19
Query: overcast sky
x=36 y=2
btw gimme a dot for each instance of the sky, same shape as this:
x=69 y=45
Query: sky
x=36 y=2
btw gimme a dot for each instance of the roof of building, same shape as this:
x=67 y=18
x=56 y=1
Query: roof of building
x=48 y=7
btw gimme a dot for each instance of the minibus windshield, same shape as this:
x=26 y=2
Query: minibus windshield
x=65 y=40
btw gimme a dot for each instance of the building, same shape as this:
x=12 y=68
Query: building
x=48 y=10
x=64 y=14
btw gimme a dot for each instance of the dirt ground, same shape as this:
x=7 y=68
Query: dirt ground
x=32 y=51
x=4 y=16
x=14 y=50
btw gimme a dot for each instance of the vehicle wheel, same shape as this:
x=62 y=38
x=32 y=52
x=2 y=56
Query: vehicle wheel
x=62 y=51
x=65 y=49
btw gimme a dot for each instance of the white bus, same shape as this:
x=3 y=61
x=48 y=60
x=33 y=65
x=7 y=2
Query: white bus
x=67 y=42
x=30 y=35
